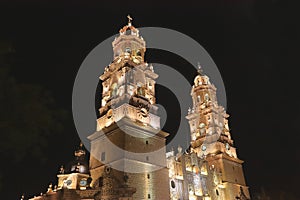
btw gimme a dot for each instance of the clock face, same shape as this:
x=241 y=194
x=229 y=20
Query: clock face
x=83 y=182
x=69 y=182
x=203 y=147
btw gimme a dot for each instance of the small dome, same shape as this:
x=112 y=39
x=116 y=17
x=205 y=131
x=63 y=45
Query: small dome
x=201 y=80
x=79 y=167
x=133 y=30
x=79 y=164
x=198 y=80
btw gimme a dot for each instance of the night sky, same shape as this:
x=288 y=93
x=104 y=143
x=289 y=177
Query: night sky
x=255 y=45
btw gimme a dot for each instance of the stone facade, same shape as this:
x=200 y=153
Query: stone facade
x=210 y=169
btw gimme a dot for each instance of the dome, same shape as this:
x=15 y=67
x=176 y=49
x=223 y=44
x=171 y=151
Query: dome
x=79 y=167
x=79 y=164
x=201 y=79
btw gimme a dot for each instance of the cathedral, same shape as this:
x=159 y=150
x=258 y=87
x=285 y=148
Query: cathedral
x=122 y=165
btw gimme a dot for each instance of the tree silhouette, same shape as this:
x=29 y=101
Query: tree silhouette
x=28 y=118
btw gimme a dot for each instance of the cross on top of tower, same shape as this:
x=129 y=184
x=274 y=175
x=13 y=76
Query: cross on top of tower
x=129 y=20
x=129 y=27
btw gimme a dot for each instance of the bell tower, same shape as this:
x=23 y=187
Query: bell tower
x=211 y=141
x=128 y=147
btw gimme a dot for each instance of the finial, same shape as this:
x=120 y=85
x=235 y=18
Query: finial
x=179 y=149
x=200 y=70
x=129 y=20
x=77 y=169
x=62 y=170
x=172 y=149
x=49 y=188
x=151 y=68
x=55 y=188
x=80 y=150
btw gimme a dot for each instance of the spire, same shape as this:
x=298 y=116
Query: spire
x=200 y=70
x=55 y=188
x=80 y=151
x=50 y=188
x=201 y=78
x=62 y=170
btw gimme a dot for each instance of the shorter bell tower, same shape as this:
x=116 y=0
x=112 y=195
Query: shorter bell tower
x=211 y=141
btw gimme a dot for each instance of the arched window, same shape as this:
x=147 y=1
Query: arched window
x=100 y=181
x=127 y=50
x=173 y=184
x=198 y=98
x=114 y=89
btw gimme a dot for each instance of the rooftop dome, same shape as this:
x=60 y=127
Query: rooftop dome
x=79 y=164
x=201 y=79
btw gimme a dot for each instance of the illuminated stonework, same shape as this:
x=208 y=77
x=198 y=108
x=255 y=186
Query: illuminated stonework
x=210 y=169
x=128 y=83
x=129 y=120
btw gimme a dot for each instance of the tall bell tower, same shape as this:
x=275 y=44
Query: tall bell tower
x=128 y=148
x=211 y=141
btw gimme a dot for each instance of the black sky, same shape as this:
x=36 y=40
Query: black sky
x=255 y=45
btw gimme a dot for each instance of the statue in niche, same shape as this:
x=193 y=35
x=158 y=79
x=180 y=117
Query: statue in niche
x=141 y=91
x=114 y=89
